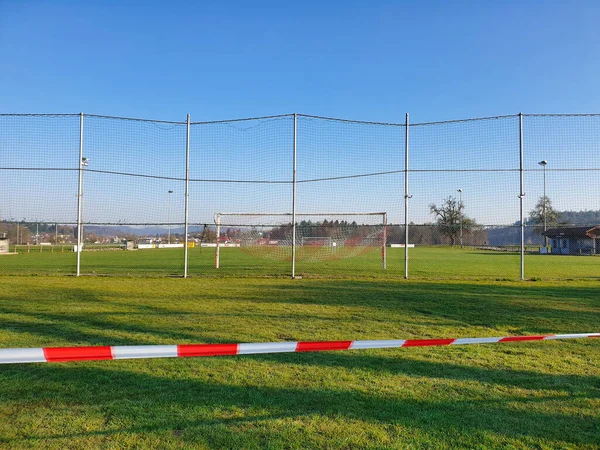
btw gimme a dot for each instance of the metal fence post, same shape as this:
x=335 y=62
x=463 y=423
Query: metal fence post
x=406 y=197
x=80 y=196
x=187 y=197
x=384 y=247
x=521 y=196
x=294 y=202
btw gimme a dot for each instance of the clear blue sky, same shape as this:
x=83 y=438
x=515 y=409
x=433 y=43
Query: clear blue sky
x=374 y=61
x=437 y=60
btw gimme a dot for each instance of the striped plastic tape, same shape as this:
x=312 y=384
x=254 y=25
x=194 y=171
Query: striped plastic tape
x=65 y=354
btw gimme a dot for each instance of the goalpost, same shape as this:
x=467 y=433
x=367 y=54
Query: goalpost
x=319 y=236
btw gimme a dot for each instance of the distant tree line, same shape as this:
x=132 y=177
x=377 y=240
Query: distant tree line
x=326 y=228
x=444 y=231
x=580 y=217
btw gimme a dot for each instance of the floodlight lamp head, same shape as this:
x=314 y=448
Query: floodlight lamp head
x=170 y=192
x=459 y=190
x=85 y=161
x=543 y=163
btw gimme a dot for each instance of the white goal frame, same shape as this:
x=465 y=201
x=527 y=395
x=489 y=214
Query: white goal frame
x=218 y=216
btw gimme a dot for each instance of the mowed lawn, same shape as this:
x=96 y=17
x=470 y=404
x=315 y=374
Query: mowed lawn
x=424 y=263
x=512 y=395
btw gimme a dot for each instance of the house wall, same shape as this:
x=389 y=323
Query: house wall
x=572 y=246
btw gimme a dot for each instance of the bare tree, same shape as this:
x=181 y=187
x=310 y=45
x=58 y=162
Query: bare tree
x=543 y=213
x=451 y=218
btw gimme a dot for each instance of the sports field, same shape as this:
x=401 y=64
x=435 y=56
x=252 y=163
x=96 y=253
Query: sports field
x=513 y=395
x=424 y=263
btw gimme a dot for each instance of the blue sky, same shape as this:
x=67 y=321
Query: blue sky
x=363 y=60
x=371 y=61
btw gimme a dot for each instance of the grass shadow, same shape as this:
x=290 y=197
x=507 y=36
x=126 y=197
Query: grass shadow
x=139 y=401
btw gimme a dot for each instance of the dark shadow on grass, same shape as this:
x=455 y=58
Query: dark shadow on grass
x=509 y=308
x=87 y=327
x=144 y=399
x=574 y=385
x=527 y=309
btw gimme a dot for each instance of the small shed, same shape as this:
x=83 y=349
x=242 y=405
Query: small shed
x=3 y=245
x=574 y=240
x=128 y=245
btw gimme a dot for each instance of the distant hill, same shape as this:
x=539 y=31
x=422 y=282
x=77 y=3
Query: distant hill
x=579 y=217
x=135 y=231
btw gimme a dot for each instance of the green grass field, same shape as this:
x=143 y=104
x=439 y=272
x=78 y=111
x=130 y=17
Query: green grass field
x=518 y=395
x=424 y=263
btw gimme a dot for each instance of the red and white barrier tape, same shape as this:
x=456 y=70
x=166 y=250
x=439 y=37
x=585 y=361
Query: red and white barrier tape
x=64 y=354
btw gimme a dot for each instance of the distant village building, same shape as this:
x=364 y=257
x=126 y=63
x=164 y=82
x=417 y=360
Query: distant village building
x=3 y=245
x=574 y=240
x=128 y=245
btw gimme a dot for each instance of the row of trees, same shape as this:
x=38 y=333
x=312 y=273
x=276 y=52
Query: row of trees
x=450 y=223
x=326 y=228
x=451 y=219
x=544 y=212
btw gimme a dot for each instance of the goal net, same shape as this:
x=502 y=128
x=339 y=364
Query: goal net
x=318 y=236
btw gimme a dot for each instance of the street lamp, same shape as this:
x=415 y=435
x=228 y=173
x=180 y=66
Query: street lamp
x=169 y=214
x=460 y=216
x=84 y=163
x=543 y=164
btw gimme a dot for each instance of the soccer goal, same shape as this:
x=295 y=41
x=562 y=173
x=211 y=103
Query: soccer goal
x=318 y=236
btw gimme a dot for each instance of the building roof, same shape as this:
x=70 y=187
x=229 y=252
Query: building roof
x=573 y=232
x=594 y=232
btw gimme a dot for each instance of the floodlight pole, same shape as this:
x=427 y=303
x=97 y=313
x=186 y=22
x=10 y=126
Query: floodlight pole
x=384 y=244
x=543 y=164
x=460 y=216
x=521 y=196
x=406 y=197
x=217 y=248
x=80 y=195
x=169 y=192
x=187 y=198
x=294 y=200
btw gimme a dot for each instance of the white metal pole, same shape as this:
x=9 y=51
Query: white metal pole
x=82 y=212
x=80 y=195
x=545 y=227
x=169 y=192
x=406 y=197
x=460 y=216
x=294 y=202
x=384 y=245
x=187 y=198
x=521 y=196
x=217 y=248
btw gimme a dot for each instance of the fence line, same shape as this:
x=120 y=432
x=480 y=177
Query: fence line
x=334 y=165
